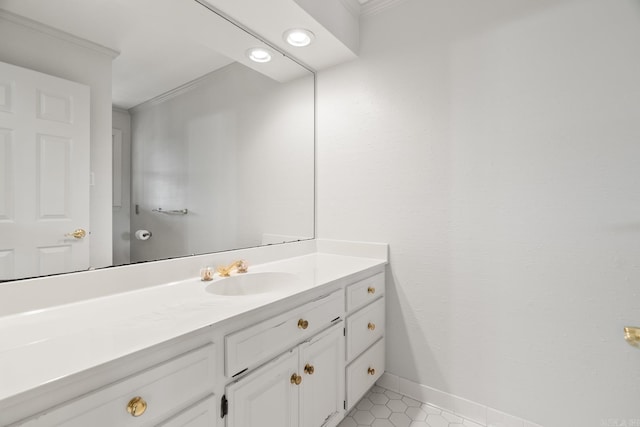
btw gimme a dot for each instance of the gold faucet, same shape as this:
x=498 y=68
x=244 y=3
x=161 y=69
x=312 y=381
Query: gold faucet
x=240 y=266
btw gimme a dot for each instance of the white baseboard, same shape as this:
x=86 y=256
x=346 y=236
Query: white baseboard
x=472 y=411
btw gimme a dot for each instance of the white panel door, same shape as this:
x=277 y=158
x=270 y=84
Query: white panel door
x=266 y=397
x=322 y=389
x=44 y=173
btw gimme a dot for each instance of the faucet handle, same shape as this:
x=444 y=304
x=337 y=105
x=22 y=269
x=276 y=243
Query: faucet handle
x=242 y=266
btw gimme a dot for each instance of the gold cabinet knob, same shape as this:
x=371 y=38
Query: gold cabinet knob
x=77 y=234
x=371 y=290
x=371 y=326
x=371 y=371
x=309 y=369
x=303 y=324
x=296 y=379
x=137 y=406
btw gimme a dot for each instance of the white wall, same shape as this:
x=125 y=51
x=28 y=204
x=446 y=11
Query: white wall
x=122 y=176
x=26 y=47
x=495 y=146
x=236 y=150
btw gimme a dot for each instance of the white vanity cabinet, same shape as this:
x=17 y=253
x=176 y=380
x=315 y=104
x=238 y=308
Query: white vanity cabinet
x=304 y=387
x=298 y=359
x=365 y=355
x=176 y=392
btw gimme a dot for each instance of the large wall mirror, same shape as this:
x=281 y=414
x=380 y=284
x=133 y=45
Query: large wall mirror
x=178 y=143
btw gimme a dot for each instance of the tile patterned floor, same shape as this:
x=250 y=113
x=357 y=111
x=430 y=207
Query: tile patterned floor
x=384 y=408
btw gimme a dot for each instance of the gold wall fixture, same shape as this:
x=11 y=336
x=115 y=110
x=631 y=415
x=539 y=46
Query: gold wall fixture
x=632 y=335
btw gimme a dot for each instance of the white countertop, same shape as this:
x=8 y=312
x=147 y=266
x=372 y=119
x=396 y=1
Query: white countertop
x=40 y=346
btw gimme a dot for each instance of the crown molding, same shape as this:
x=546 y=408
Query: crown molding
x=59 y=34
x=173 y=92
x=373 y=7
x=117 y=109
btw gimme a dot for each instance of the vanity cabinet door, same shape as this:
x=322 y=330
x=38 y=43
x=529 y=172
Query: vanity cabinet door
x=322 y=388
x=267 y=397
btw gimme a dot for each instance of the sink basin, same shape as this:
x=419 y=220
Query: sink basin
x=253 y=284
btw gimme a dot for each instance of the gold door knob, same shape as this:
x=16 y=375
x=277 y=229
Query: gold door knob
x=371 y=371
x=77 y=234
x=371 y=326
x=136 y=406
x=303 y=324
x=296 y=379
x=309 y=369
x=371 y=290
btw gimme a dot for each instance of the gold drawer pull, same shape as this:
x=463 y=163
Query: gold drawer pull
x=303 y=324
x=371 y=290
x=136 y=406
x=296 y=379
x=371 y=371
x=309 y=369
x=371 y=326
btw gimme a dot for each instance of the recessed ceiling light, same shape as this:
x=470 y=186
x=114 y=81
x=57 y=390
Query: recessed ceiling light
x=259 y=54
x=298 y=37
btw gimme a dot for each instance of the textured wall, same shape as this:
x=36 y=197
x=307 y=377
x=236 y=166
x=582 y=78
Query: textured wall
x=495 y=146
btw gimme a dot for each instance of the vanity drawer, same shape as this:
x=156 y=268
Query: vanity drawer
x=201 y=414
x=249 y=347
x=166 y=388
x=363 y=292
x=365 y=327
x=363 y=372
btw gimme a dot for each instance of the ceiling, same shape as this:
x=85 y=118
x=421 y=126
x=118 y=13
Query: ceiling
x=160 y=44
x=185 y=41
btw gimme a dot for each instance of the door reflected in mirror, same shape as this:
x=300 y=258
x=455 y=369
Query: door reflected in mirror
x=192 y=145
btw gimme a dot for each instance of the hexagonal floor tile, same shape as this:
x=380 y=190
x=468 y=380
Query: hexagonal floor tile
x=364 y=405
x=397 y=405
x=437 y=421
x=381 y=411
x=348 y=422
x=411 y=402
x=392 y=394
x=400 y=420
x=378 y=398
x=364 y=417
x=416 y=414
x=430 y=409
x=385 y=408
